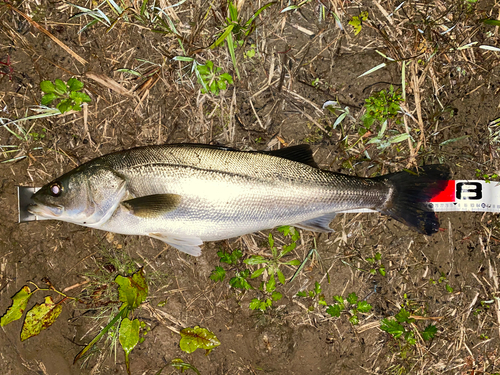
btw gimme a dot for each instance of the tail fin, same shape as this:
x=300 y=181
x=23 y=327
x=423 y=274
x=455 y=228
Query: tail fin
x=411 y=189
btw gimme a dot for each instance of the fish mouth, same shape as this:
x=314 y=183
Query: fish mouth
x=45 y=211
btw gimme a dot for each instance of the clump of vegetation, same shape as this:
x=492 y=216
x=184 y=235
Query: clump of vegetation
x=350 y=305
x=270 y=269
x=403 y=327
x=381 y=107
x=68 y=95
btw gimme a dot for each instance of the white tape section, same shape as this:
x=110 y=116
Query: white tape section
x=463 y=195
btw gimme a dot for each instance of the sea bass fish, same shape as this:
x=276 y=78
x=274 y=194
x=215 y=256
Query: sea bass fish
x=184 y=194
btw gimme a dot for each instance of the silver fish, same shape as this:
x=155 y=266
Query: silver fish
x=184 y=194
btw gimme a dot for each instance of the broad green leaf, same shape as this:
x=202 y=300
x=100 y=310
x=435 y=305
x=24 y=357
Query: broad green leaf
x=48 y=98
x=227 y=77
x=218 y=274
x=339 y=299
x=203 y=69
x=352 y=298
x=294 y=262
x=317 y=288
x=399 y=138
x=256 y=259
x=334 y=310
x=64 y=106
x=47 y=87
x=40 y=317
x=258 y=272
x=281 y=277
x=254 y=304
x=429 y=332
x=230 y=258
x=364 y=306
x=271 y=284
x=354 y=320
x=16 y=310
x=276 y=296
x=74 y=84
x=61 y=87
x=403 y=316
x=302 y=294
x=79 y=97
x=129 y=337
x=392 y=327
x=132 y=290
x=271 y=240
x=198 y=338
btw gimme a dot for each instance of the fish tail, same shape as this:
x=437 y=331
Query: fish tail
x=410 y=190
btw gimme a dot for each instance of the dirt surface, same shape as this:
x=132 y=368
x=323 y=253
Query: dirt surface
x=449 y=279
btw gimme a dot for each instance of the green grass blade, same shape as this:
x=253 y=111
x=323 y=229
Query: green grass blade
x=230 y=47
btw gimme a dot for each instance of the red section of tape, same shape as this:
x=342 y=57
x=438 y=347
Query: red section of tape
x=447 y=195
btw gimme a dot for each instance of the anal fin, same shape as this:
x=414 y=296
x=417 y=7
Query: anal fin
x=188 y=245
x=318 y=224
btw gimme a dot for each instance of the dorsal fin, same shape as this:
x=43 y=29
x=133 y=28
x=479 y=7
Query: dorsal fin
x=300 y=153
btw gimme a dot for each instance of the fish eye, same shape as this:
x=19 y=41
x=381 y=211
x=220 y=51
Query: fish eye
x=56 y=189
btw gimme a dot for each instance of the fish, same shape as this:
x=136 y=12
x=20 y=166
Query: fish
x=186 y=194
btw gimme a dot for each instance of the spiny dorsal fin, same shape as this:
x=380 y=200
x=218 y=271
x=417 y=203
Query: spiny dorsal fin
x=300 y=153
x=153 y=205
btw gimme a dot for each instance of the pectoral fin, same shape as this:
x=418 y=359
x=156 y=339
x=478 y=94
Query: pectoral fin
x=318 y=224
x=188 y=245
x=151 y=206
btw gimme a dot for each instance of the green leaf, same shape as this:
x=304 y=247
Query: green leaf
x=16 y=310
x=230 y=258
x=74 y=84
x=40 y=317
x=64 y=106
x=257 y=273
x=271 y=240
x=449 y=289
x=129 y=337
x=254 y=304
x=224 y=35
x=198 y=338
x=239 y=280
x=203 y=69
x=339 y=299
x=381 y=270
x=132 y=290
x=302 y=294
x=294 y=262
x=79 y=97
x=492 y=22
x=227 y=77
x=392 y=327
x=364 y=306
x=354 y=320
x=281 y=277
x=61 y=87
x=218 y=274
x=334 y=310
x=403 y=316
x=271 y=284
x=256 y=14
x=47 y=87
x=256 y=259
x=352 y=298
x=429 y=332
x=317 y=288
x=276 y=296
x=48 y=98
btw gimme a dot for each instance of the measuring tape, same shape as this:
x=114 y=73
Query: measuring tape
x=462 y=195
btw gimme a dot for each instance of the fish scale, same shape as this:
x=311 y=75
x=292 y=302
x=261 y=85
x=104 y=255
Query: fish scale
x=186 y=194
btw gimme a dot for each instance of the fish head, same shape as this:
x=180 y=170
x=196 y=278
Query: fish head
x=87 y=195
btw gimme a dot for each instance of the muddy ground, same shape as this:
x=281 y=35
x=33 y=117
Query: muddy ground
x=449 y=279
